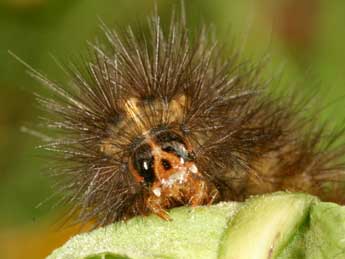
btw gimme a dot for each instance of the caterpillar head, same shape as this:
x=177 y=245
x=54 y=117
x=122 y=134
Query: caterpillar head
x=160 y=159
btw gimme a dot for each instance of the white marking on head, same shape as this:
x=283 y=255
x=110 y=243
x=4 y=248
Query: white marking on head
x=193 y=169
x=181 y=160
x=157 y=192
x=146 y=166
x=179 y=177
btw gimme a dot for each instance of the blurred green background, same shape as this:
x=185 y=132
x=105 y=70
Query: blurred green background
x=302 y=36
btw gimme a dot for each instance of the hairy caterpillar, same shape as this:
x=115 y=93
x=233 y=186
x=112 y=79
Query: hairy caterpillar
x=160 y=119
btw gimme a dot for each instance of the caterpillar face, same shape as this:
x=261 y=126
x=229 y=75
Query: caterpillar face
x=159 y=120
x=166 y=165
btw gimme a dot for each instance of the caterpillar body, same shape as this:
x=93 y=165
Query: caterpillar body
x=160 y=119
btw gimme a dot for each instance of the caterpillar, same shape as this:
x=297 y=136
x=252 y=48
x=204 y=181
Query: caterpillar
x=157 y=119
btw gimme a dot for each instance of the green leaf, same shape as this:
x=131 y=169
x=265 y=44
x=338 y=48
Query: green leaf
x=193 y=233
x=326 y=235
x=264 y=226
x=280 y=225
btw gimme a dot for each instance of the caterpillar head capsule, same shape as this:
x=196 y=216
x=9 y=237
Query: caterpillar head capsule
x=166 y=165
x=161 y=160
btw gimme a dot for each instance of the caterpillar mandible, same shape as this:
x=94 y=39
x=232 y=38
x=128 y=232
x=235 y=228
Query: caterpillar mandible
x=161 y=119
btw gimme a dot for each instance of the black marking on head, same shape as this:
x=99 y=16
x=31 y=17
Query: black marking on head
x=177 y=148
x=166 y=164
x=171 y=142
x=143 y=162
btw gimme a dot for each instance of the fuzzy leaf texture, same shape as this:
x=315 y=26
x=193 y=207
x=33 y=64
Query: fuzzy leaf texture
x=279 y=225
